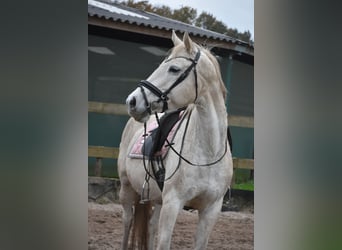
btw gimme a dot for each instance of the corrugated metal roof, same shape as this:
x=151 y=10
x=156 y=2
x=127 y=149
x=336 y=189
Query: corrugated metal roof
x=124 y=14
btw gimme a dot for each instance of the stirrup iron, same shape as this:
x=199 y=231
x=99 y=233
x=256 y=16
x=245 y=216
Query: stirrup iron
x=144 y=200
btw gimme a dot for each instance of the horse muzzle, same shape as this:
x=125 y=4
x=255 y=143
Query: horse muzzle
x=139 y=108
x=139 y=112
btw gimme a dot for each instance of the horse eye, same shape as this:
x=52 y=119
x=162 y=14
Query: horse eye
x=174 y=69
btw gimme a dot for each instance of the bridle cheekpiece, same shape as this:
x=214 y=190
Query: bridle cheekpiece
x=163 y=96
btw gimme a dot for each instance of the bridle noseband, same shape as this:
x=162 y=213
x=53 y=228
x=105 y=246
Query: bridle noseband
x=163 y=96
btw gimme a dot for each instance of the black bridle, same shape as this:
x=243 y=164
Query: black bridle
x=163 y=96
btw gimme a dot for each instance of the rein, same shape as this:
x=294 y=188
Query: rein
x=182 y=157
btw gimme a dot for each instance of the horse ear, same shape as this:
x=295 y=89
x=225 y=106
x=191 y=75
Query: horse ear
x=175 y=38
x=188 y=42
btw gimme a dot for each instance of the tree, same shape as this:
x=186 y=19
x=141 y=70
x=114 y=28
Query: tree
x=232 y=33
x=141 y=5
x=185 y=14
x=208 y=21
x=245 y=36
x=163 y=10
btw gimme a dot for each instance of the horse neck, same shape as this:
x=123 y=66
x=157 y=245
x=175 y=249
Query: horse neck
x=209 y=124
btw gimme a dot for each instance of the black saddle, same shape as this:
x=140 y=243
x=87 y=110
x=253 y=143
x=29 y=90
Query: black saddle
x=155 y=141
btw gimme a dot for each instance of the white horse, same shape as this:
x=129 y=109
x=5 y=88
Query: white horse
x=198 y=169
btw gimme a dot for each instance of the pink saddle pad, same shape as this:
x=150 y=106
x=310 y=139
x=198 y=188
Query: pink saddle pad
x=136 y=151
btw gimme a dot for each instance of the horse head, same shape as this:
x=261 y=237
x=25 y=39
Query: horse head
x=176 y=83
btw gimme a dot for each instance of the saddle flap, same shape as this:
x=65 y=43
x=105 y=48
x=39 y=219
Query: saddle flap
x=148 y=146
x=154 y=142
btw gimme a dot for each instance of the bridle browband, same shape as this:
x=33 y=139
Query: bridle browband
x=163 y=96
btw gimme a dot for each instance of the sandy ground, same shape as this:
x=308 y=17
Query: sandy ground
x=233 y=230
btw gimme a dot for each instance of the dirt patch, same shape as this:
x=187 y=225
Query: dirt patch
x=233 y=230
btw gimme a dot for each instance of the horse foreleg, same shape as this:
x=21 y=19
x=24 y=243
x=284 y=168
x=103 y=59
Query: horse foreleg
x=168 y=216
x=127 y=218
x=127 y=197
x=153 y=225
x=207 y=220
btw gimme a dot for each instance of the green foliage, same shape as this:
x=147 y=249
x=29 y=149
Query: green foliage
x=141 y=5
x=243 y=179
x=188 y=15
x=163 y=10
x=208 y=21
x=185 y=14
x=249 y=185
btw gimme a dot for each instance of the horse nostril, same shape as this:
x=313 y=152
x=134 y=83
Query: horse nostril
x=132 y=102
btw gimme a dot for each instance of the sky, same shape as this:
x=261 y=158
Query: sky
x=237 y=14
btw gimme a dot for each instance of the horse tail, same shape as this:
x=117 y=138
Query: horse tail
x=142 y=214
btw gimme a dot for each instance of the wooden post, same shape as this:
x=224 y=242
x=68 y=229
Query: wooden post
x=98 y=167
